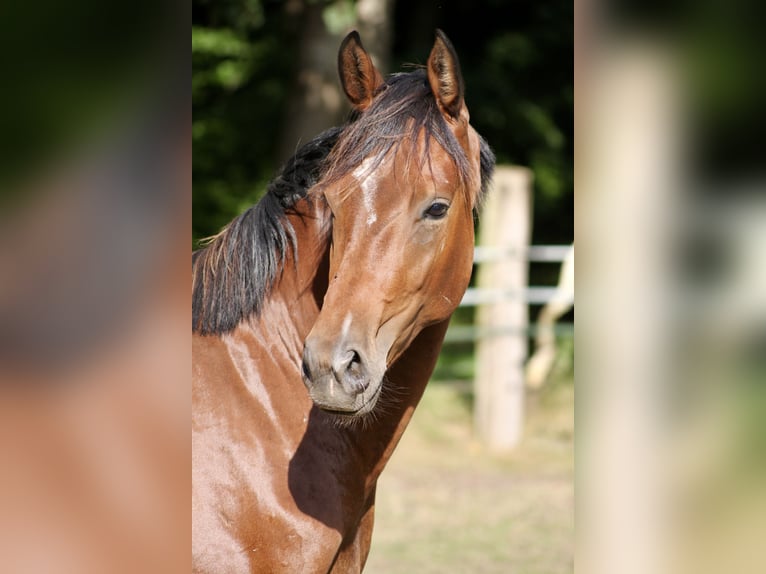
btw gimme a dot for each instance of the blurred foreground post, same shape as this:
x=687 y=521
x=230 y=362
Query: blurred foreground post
x=501 y=349
x=628 y=225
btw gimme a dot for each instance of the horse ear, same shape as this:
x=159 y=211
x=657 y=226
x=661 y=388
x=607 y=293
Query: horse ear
x=445 y=77
x=358 y=74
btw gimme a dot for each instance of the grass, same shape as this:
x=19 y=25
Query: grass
x=447 y=505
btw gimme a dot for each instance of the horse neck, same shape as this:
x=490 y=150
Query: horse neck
x=406 y=381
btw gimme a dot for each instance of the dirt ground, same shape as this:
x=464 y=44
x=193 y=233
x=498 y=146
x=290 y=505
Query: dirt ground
x=446 y=505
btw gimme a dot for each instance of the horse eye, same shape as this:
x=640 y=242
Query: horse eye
x=437 y=210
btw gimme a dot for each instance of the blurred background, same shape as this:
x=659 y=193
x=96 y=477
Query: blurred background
x=95 y=361
x=671 y=215
x=95 y=213
x=483 y=479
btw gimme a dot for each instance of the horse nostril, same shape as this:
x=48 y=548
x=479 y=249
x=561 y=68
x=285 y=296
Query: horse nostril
x=349 y=370
x=305 y=370
x=343 y=361
x=355 y=364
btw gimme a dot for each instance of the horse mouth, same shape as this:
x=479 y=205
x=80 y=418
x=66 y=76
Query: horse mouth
x=358 y=409
x=343 y=380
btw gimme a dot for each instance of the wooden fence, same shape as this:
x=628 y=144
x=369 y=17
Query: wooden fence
x=502 y=296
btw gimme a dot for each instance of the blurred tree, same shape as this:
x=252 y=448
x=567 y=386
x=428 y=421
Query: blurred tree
x=316 y=101
x=374 y=20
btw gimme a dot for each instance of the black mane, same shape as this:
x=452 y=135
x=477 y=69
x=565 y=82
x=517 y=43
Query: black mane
x=233 y=274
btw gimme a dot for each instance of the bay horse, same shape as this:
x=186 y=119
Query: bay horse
x=318 y=315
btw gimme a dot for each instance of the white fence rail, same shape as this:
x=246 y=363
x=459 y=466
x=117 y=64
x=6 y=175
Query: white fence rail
x=534 y=253
x=489 y=296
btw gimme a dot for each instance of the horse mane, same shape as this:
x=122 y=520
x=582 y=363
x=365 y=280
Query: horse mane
x=233 y=273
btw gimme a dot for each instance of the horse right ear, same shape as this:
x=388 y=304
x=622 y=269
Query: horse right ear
x=358 y=74
x=445 y=77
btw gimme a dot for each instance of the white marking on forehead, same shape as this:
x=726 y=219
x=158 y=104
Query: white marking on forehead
x=369 y=184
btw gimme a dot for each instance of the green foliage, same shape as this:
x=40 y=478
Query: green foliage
x=241 y=69
x=519 y=80
x=339 y=16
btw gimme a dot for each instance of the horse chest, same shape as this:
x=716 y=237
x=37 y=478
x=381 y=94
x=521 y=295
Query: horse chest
x=274 y=489
x=274 y=512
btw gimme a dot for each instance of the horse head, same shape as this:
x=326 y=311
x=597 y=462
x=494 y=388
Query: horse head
x=402 y=184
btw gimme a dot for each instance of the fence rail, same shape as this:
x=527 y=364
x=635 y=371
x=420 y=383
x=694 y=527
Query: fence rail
x=471 y=333
x=532 y=253
x=488 y=296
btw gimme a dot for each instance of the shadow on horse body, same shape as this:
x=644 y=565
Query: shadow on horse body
x=339 y=282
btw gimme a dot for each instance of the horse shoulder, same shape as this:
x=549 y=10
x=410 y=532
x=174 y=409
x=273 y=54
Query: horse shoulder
x=244 y=438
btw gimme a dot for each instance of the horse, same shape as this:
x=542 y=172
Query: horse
x=318 y=315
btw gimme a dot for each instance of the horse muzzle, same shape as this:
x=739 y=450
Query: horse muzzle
x=341 y=378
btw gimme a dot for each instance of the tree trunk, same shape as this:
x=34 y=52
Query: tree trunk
x=317 y=101
x=374 y=21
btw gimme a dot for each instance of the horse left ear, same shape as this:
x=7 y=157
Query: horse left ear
x=358 y=75
x=445 y=77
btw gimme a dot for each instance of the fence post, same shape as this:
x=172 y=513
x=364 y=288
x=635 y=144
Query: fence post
x=501 y=349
